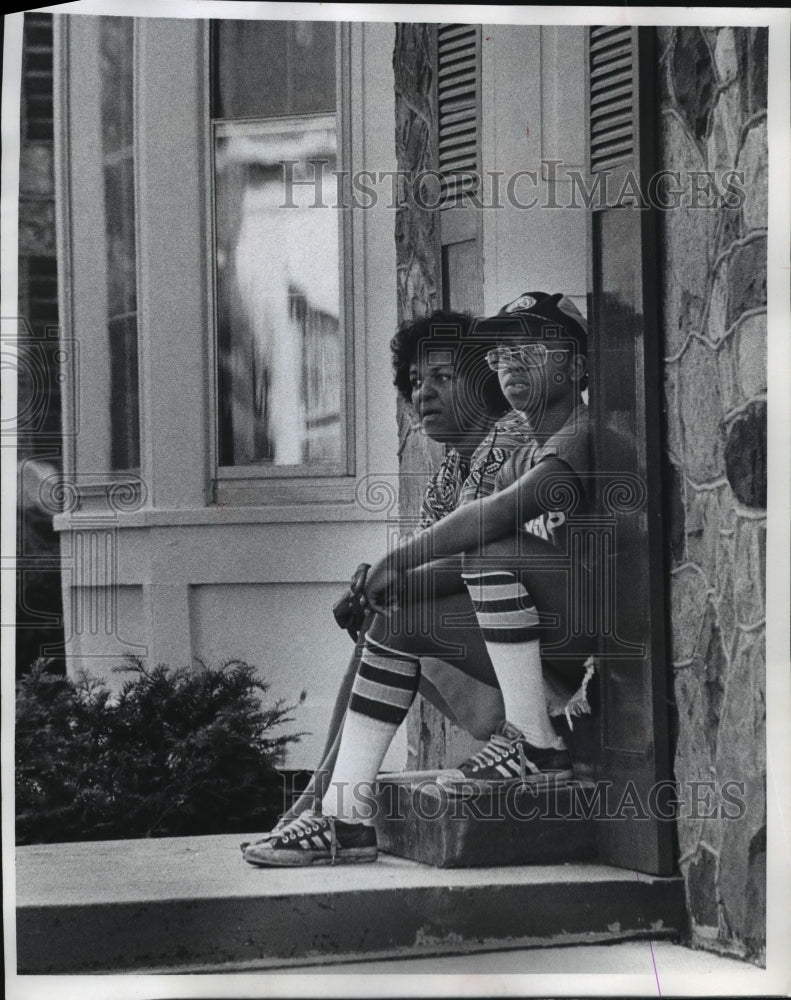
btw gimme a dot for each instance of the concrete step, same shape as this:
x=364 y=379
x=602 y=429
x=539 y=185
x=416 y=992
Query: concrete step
x=191 y=904
x=465 y=826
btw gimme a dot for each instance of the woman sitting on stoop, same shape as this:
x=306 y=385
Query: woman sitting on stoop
x=511 y=598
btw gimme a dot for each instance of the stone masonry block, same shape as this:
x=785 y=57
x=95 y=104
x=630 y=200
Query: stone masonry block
x=674 y=441
x=725 y=588
x=725 y=55
x=710 y=658
x=692 y=761
x=677 y=514
x=686 y=236
x=749 y=572
x=704 y=521
x=741 y=757
x=694 y=79
x=745 y=456
x=757 y=43
x=741 y=363
x=700 y=412
x=717 y=319
x=722 y=145
x=750 y=357
x=702 y=889
x=747 y=278
x=688 y=598
x=728 y=377
x=753 y=160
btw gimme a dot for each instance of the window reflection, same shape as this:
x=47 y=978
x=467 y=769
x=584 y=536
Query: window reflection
x=280 y=347
x=116 y=48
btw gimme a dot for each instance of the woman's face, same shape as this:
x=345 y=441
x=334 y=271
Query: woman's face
x=439 y=395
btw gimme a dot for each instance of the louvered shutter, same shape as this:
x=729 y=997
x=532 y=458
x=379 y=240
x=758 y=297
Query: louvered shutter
x=458 y=162
x=612 y=98
x=458 y=85
x=624 y=362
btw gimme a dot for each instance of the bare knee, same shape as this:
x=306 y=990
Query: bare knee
x=502 y=550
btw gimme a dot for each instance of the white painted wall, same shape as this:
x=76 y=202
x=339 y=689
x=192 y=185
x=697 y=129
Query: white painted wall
x=181 y=577
x=532 y=110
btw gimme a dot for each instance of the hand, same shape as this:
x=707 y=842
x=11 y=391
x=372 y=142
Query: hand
x=350 y=610
x=383 y=587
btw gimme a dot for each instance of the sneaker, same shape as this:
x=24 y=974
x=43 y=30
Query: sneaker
x=314 y=840
x=283 y=821
x=508 y=759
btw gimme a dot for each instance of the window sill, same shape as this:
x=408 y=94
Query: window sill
x=220 y=514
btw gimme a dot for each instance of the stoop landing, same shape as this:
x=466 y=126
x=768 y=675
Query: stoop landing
x=192 y=904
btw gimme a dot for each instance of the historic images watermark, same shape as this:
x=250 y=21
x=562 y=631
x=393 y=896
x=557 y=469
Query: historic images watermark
x=436 y=799
x=553 y=186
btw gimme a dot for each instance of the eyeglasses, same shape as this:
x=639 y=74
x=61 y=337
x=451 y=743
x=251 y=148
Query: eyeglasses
x=526 y=354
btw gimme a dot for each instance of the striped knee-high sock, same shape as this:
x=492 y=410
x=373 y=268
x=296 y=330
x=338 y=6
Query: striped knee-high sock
x=383 y=691
x=509 y=622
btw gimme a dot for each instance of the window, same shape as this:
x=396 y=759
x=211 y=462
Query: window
x=281 y=345
x=116 y=53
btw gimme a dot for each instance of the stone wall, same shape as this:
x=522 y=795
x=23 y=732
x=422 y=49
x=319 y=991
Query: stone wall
x=418 y=294
x=712 y=116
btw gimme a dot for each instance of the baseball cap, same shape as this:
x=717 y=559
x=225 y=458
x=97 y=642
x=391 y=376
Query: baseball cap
x=540 y=315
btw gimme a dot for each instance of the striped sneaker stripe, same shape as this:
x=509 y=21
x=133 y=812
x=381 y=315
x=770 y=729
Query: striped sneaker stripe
x=503 y=770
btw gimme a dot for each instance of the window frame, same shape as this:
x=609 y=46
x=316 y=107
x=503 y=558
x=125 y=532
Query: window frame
x=269 y=484
x=87 y=491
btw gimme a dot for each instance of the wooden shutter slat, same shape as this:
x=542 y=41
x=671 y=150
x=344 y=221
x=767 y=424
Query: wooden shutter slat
x=457 y=95
x=612 y=137
x=460 y=162
x=620 y=66
x=617 y=119
x=601 y=38
x=457 y=66
x=611 y=49
x=458 y=45
x=453 y=119
x=618 y=92
x=465 y=75
x=463 y=126
x=454 y=30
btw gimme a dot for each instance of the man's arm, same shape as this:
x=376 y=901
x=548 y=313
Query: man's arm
x=469 y=528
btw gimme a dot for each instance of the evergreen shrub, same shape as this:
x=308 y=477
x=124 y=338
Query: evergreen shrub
x=175 y=753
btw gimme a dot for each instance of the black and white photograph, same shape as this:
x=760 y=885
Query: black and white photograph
x=396 y=454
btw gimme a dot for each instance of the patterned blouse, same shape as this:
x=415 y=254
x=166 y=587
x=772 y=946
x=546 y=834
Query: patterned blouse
x=459 y=480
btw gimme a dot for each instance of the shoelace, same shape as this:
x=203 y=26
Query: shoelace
x=493 y=752
x=309 y=823
x=304 y=824
x=276 y=830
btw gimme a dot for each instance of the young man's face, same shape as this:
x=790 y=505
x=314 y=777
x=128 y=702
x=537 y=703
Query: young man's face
x=535 y=373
